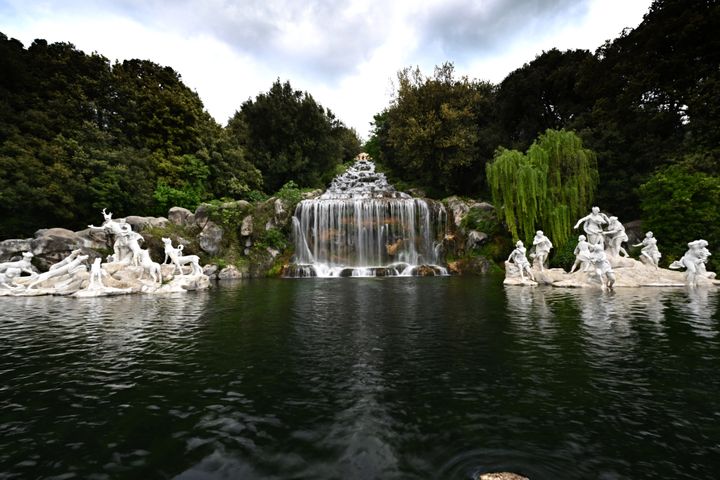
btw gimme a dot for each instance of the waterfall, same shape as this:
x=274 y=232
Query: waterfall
x=361 y=226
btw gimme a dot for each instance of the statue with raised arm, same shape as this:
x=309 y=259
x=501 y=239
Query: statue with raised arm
x=542 y=246
x=582 y=255
x=592 y=224
x=518 y=257
x=126 y=247
x=111 y=226
x=614 y=237
x=649 y=254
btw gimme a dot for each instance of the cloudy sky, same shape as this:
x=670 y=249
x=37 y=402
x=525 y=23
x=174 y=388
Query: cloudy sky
x=345 y=53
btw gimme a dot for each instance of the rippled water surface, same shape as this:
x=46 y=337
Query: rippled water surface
x=362 y=378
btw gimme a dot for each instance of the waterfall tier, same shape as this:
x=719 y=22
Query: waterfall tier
x=361 y=226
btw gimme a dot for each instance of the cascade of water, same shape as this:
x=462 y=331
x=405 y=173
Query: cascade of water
x=361 y=226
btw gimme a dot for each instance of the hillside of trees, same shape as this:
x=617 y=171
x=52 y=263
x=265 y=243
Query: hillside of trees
x=78 y=133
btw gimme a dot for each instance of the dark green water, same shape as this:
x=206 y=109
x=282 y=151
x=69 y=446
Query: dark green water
x=362 y=378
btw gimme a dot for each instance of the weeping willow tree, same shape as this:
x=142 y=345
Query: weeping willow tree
x=548 y=188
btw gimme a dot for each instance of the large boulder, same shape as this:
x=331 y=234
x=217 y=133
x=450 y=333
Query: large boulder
x=210 y=239
x=9 y=249
x=95 y=239
x=179 y=215
x=51 y=245
x=202 y=215
x=144 y=223
x=458 y=208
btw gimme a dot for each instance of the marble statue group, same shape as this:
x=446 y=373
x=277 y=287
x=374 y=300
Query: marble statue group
x=601 y=260
x=123 y=272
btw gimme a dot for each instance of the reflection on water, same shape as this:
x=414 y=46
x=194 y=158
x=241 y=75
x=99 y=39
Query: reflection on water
x=362 y=378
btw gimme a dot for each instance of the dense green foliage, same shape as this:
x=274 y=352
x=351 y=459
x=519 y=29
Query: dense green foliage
x=78 y=133
x=680 y=204
x=433 y=133
x=290 y=137
x=548 y=188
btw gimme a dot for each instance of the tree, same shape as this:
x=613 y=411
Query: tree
x=288 y=136
x=545 y=93
x=438 y=132
x=548 y=188
x=77 y=134
x=655 y=98
x=679 y=204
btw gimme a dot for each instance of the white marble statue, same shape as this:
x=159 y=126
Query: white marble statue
x=582 y=255
x=66 y=260
x=151 y=268
x=96 y=284
x=518 y=257
x=602 y=266
x=649 y=254
x=23 y=265
x=542 y=246
x=614 y=237
x=126 y=246
x=592 y=224
x=179 y=260
x=96 y=275
x=72 y=267
x=694 y=262
x=132 y=242
x=127 y=270
x=8 y=277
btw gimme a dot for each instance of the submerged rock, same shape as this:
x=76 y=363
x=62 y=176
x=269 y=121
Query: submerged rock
x=501 y=476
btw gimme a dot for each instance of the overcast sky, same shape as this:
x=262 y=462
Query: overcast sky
x=345 y=53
